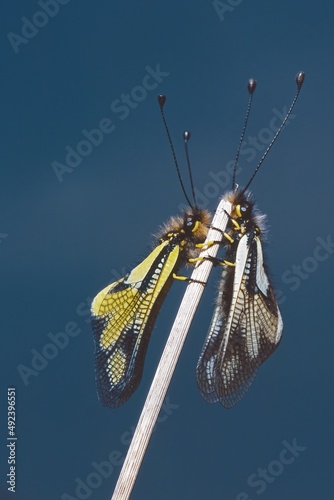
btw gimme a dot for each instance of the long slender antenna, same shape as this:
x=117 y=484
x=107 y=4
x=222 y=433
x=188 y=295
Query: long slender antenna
x=186 y=138
x=251 y=85
x=161 y=101
x=300 y=77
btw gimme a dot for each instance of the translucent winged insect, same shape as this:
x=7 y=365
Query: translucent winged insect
x=246 y=326
x=123 y=314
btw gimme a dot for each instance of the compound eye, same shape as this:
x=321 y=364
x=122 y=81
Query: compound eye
x=189 y=222
x=243 y=210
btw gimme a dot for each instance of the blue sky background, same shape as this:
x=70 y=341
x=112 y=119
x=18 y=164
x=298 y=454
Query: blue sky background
x=61 y=242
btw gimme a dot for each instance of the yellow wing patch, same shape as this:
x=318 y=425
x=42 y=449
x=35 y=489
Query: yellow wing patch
x=122 y=315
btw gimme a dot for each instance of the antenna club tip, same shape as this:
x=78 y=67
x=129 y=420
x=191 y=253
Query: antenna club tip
x=186 y=136
x=251 y=85
x=300 y=77
x=161 y=100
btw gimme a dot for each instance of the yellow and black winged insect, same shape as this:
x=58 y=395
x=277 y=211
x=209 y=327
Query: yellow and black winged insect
x=246 y=326
x=123 y=314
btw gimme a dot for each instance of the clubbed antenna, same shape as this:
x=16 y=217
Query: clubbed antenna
x=186 y=139
x=162 y=100
x=300 y=77
x=251 y=85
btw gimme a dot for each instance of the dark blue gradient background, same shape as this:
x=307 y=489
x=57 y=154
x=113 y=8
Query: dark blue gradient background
x=61 y=242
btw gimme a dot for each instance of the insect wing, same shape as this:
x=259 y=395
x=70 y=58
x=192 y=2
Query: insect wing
x=123 y=315
x=246 y=327
x=205 y=366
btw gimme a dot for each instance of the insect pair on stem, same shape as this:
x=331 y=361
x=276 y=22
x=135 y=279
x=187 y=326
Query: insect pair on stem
x=246 y=326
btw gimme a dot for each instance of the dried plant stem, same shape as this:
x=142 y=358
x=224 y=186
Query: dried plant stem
x=169 y=358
